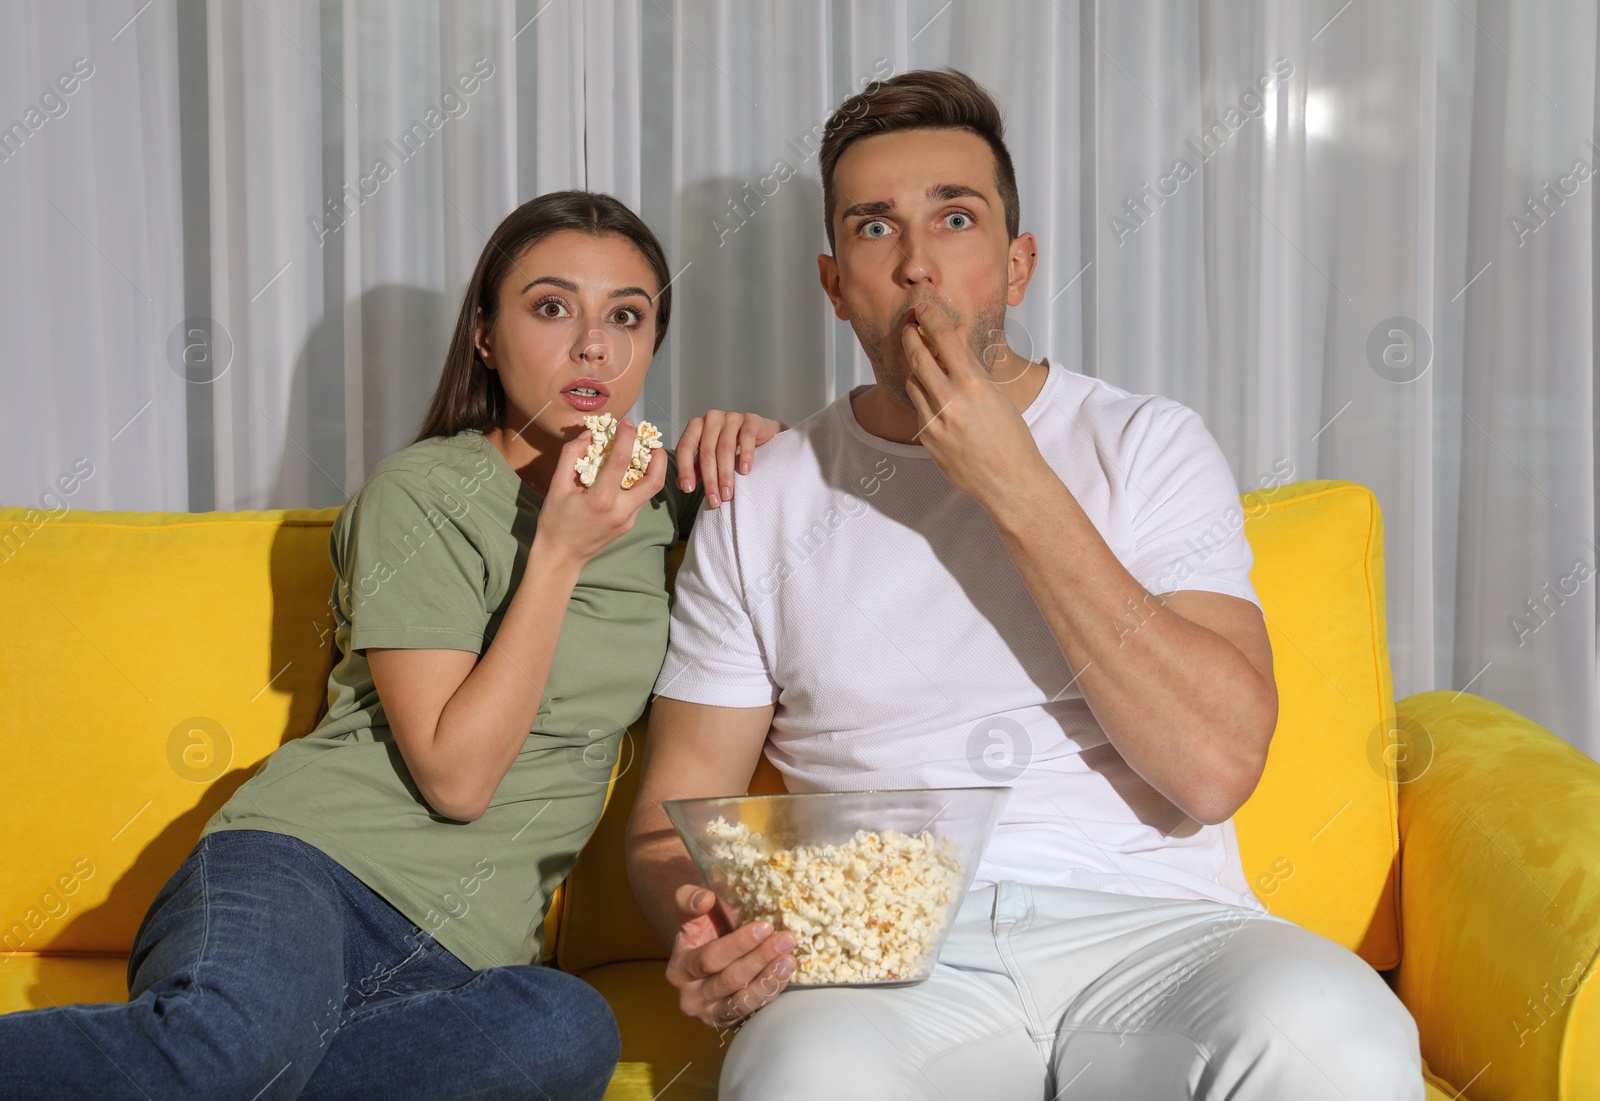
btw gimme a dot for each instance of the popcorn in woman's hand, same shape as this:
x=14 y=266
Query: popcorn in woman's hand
x=604 y=429
x=868 y=910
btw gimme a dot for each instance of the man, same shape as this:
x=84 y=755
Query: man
x=948 y=579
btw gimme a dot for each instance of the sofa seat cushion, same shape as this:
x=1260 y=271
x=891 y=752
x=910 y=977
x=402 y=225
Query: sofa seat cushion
x=30 y=980
x=660 y=1046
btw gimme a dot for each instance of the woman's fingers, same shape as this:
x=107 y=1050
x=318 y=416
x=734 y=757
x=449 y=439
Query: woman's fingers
x=727 y=448
x=687 y=446
x=749 y=439
x=655 y=477
x=565 y=479
x=710 y=477
x=617 y=459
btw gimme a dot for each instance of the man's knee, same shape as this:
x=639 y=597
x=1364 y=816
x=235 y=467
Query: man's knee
x=1326 y=1019
x=811 y=1044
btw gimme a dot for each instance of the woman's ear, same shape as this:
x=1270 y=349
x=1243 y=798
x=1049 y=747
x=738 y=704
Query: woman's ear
x=480 y=340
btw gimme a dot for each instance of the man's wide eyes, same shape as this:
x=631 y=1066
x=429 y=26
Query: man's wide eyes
x=956 y=219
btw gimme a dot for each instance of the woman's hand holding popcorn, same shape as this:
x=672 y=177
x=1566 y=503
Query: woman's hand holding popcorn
x=577 y=522
x=723 y=977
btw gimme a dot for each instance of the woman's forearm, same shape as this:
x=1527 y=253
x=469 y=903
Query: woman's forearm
x=486 y=722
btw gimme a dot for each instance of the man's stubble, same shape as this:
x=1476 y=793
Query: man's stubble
x=986 y=339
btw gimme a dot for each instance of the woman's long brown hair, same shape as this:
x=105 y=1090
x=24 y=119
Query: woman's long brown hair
x=469 y=395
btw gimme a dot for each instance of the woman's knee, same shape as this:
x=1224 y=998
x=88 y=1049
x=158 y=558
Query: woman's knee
x=191 y=1043
x=566 y=1024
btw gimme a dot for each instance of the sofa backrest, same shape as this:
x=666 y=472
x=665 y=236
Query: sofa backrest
x=1319 y=838
x=157 y=658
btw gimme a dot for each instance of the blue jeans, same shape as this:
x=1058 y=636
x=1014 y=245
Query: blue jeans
x=264 y=970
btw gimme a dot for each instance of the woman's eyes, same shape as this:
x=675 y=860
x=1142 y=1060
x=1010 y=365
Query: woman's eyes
x=626 y=316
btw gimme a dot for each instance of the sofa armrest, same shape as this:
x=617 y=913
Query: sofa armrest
x=1499 y=899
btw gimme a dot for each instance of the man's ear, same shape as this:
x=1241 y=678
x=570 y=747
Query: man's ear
x=480 y=340
x=1022 y=259
x=828 y=272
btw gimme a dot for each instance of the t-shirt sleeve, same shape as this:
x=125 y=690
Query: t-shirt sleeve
x=713 y=655
x=1188 y=526
x=410 y=572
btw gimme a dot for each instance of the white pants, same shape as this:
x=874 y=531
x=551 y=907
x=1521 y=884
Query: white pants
x=1060 y=994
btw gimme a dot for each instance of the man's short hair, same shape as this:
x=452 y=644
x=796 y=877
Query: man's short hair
x=923 y=99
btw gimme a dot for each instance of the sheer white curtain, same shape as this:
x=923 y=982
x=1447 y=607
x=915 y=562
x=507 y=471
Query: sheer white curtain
x=1358 y=239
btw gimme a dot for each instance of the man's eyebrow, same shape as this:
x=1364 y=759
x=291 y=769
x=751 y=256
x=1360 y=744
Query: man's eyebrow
x=945 y=192
x=572 y=288
x=938 y=193
x=862 y=210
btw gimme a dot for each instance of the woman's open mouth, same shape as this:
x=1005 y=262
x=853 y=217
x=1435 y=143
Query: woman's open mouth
x=586 y=394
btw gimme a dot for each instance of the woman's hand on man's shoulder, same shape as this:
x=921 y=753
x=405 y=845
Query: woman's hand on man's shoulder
x=718 y=445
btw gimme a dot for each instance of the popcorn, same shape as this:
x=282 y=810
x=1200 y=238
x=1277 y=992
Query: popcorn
x=868 y=910
x=604 y=428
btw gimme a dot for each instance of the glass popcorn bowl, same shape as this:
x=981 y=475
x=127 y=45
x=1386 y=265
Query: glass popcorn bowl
x=868 y=882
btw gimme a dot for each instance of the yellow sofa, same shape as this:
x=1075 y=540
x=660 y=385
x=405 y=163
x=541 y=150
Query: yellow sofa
x=158 y=657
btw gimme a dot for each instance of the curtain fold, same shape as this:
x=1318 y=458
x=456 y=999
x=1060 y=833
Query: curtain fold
x=1358 y=239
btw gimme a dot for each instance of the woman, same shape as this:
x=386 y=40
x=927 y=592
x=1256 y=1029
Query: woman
x=362 y=917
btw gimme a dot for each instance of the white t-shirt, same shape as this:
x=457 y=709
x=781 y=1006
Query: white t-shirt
x=849 y=583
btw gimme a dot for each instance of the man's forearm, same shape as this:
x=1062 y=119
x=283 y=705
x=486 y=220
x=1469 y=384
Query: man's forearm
x=658 y=865
x=1182 y=704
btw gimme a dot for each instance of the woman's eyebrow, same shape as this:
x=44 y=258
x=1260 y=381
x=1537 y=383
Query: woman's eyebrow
x=555 y=281
x=572 y=288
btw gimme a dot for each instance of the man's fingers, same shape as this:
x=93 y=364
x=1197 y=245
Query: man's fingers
x=924 y=367
x=948 y=345
x=747 y=968
x=770 y=983
x=694 y=900
x=919 y=398
x=722 y=952
x=729 y=1010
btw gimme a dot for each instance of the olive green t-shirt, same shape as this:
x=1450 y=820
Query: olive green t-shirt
x=428 y=554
